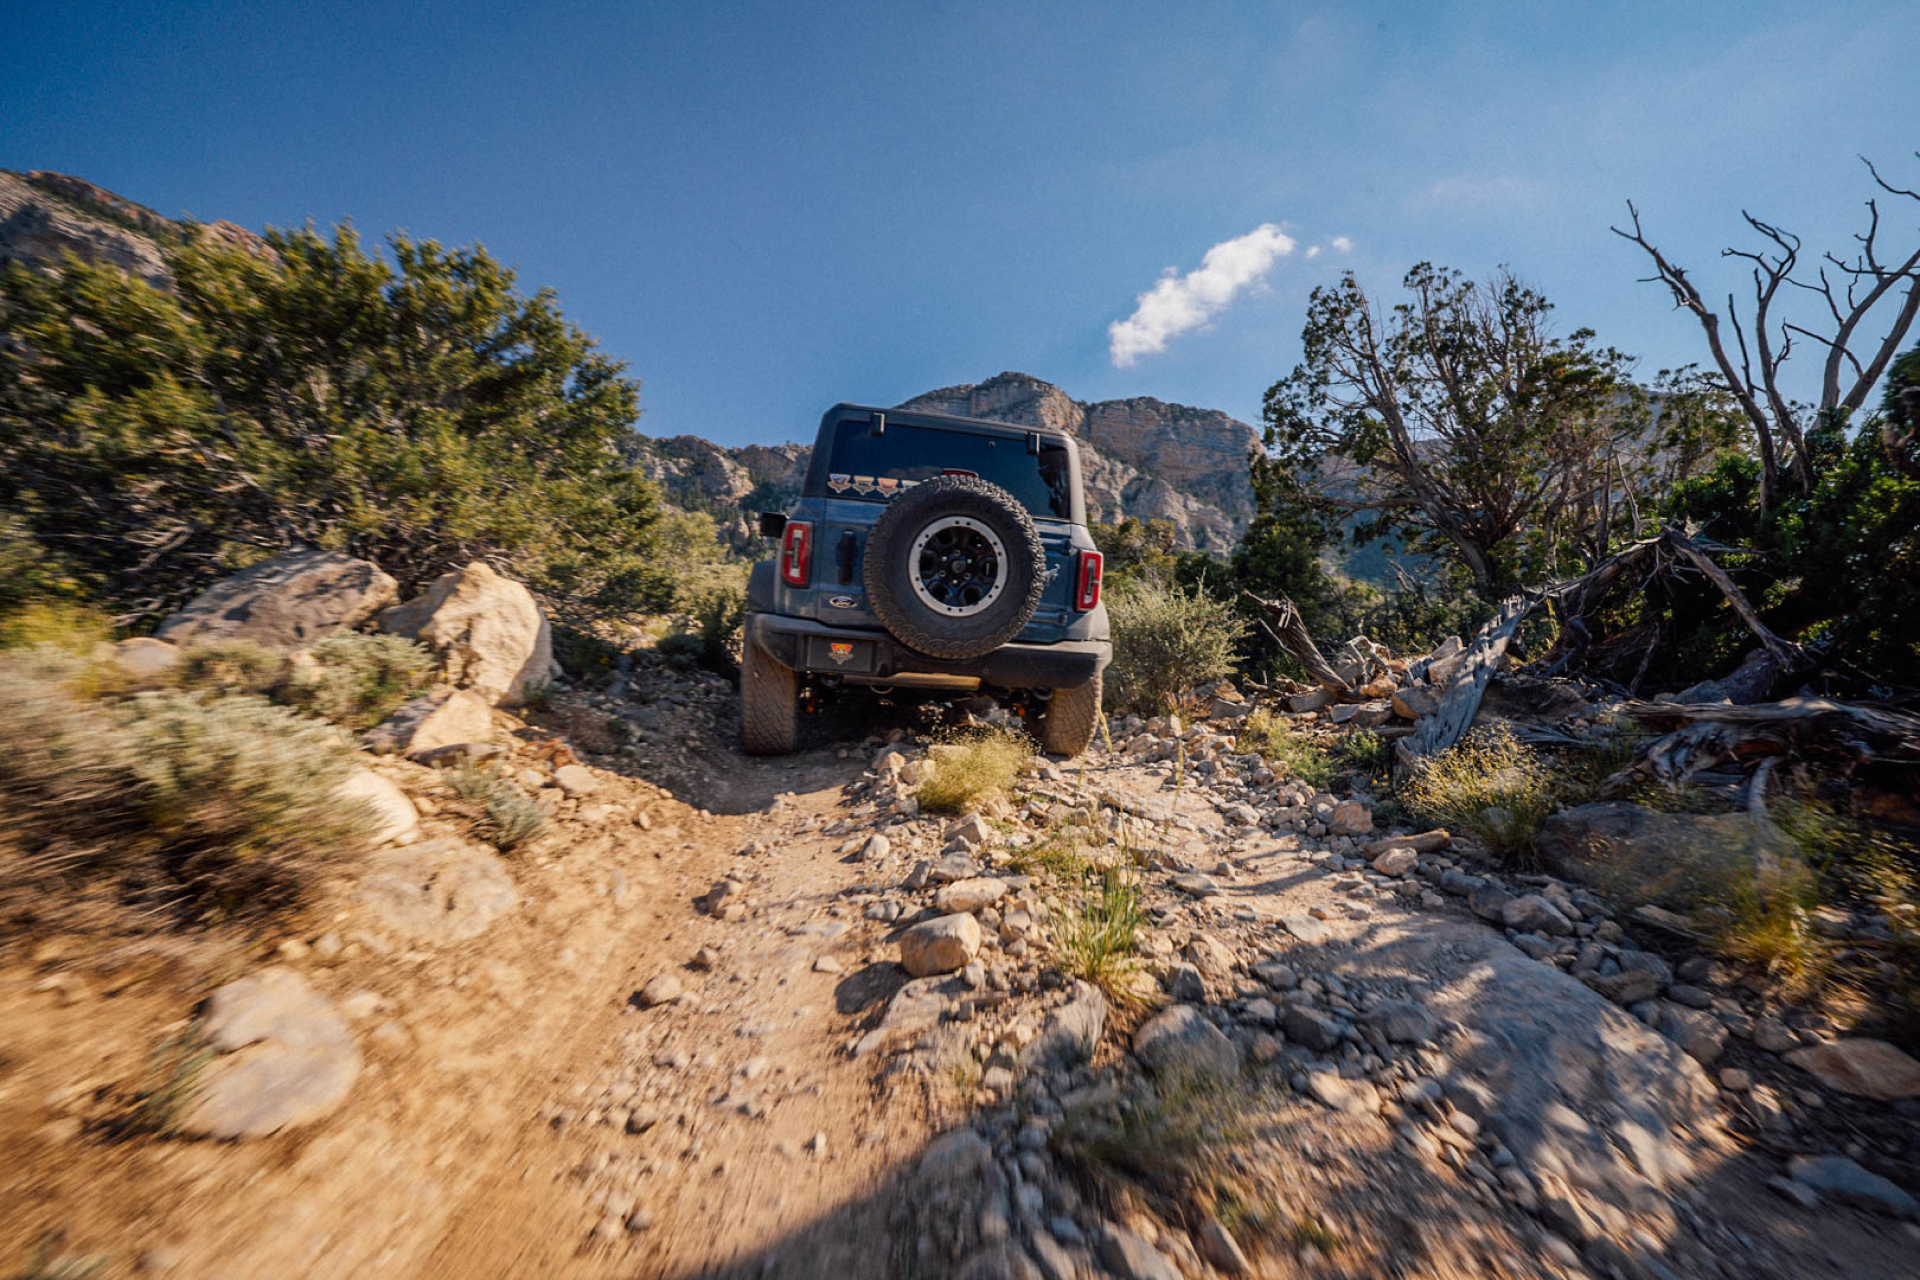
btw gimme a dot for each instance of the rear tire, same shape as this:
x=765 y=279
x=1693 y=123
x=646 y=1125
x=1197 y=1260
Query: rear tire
x=769 y=703
x=1072 y=715
x=901 y=564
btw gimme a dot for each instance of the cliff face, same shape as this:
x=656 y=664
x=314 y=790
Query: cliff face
x=1141 y=457
x=46 y=216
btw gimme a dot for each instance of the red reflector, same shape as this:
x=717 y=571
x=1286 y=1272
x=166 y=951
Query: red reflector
x=1087 y=594
x=796 y=553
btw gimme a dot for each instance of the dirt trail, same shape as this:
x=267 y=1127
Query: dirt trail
x=527 y=1111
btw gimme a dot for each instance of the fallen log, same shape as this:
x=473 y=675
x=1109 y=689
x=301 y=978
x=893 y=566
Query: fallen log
x=1461 y=702
x=1702 y=736
x=1290 y=633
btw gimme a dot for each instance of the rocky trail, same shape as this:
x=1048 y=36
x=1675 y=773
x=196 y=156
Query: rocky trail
x=768 y=1019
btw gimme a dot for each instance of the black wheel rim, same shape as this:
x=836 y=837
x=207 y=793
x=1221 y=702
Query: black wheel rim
x=958 y=567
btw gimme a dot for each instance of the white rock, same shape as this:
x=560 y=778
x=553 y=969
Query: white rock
x=486 y=630
x=941 y=945
x=394 y=813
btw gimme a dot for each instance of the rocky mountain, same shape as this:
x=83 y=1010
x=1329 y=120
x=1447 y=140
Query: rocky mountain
x=46 y=216
x=1142 y=458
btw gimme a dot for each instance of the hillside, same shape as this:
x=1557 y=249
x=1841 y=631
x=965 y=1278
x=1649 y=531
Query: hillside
x=1142 y=457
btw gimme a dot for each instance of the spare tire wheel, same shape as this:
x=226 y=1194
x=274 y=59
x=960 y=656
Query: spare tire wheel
x=954 y=567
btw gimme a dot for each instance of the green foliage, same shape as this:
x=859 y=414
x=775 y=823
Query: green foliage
x=713 y=604
x=359 y=680
x=1167 y=640
x=1489 y=785
x=1269 y=735
x=174 y=1081
x=1368 y=750
x=1482 y=436
x=423 y=414
x=1094 y=940
x=1836 y=569
x=1163 y=1128
x=974 y=770
x=230 y=666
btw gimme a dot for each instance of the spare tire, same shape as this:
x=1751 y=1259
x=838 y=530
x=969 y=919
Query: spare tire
x=954 y=567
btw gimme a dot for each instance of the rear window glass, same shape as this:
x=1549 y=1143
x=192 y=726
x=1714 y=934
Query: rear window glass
x=875 y=468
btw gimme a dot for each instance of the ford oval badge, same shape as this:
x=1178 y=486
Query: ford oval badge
x=843 y=602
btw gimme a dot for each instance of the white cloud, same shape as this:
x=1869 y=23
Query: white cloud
x=1341 y=243
x=1314 y=252
x=1177 y=303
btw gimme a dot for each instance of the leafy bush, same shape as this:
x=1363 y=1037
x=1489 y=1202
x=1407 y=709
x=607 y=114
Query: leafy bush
x=415 y=409
x=1490 y=785
x=228 y=667
x=1368 y=750
x=1166 y=640
x=1268 y=735
x=240 y=796
x=714 y=604
x=976 y=769
x=359 y=680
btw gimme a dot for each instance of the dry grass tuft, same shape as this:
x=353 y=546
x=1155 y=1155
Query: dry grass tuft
x=975 y=769
x=1490 y=785
x=1268 y=735
x=1094 y=940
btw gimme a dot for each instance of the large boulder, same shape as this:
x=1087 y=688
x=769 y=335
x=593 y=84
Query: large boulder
x=1645 y=854
x=440 y=718
x=486 y=630
x=1179 y=1042
x=940 y=945
x=287 y=602
x=285 y=1058
x=394 y=814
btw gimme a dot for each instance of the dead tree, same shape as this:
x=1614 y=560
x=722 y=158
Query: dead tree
x=1290 y=633
x=1858 y=286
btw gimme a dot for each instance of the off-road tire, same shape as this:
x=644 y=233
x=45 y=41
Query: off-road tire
x=888 y=574
x=1072 y=715
x=769 y=703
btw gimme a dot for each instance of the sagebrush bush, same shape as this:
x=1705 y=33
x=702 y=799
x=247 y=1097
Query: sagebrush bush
x=1490 y=785
x=980 y=767
x=240 y=797
x=228 y=667
x=359 y=680
x=511 y=819
x=1167 y=640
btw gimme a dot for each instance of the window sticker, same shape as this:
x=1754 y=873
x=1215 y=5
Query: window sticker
x=839 y=482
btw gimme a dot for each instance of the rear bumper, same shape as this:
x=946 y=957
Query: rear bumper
x=874 y=656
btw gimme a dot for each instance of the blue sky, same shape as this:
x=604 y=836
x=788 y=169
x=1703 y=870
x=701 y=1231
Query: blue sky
x=768 y=208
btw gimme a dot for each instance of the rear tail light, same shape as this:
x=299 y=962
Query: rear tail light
x=1086 y=594
x=796 y=553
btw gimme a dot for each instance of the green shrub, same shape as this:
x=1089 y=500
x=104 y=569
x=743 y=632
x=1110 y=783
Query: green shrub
x=975 y=770
x=1490 y=785
x=1269 y=735
x=229 y=667
x=714 y=604
x=1368 y=750
x=359 y=680
x=240 y=796
x=1167 y=640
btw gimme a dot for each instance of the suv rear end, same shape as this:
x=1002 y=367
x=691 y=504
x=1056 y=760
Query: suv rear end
x=984 y=576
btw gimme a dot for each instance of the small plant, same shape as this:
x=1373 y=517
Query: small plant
x=511 y=819
x=1269 y=736
x=1490 y=785
x=982 y=767
x=472 y=782
x=1368 y=750
x=229 y=667
x=1060 y=853
x=357 y=681
x=1167 y=640
x=1095 y=941
x=173 y=1083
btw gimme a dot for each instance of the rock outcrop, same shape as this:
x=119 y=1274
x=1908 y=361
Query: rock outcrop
x=1141 y=458
x=486 y=630
x=46 y=217
x=286 y=602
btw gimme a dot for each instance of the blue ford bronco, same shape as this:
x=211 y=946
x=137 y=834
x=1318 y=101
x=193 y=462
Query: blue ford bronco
x=935 y=553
